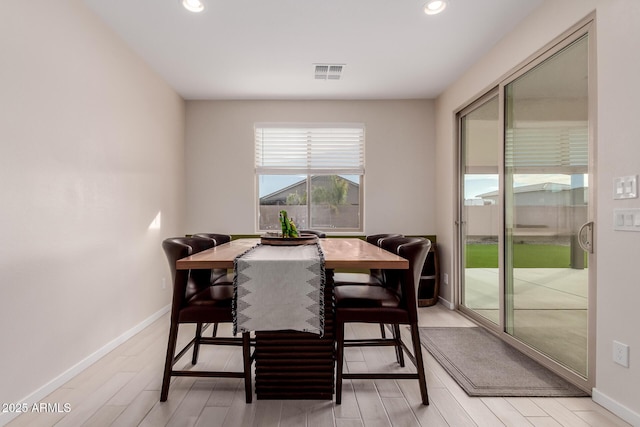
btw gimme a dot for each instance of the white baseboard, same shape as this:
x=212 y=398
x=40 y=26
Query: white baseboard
x=618 y=409
x=57 y=382
x=446 y=303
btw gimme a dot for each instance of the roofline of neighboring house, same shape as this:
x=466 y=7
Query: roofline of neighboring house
x=531 y=188
x=289 y=187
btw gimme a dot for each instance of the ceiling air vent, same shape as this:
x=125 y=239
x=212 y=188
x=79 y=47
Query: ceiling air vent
x=328 y=71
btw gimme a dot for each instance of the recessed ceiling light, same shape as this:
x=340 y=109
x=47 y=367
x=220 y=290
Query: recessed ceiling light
x=193 y=5
x=434 y=7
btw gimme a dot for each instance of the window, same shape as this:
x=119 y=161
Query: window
x=315 y=172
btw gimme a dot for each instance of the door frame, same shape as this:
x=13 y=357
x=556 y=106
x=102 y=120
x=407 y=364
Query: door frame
x=584 y=27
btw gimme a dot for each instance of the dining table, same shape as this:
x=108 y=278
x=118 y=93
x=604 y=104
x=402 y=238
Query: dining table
x=293 y=364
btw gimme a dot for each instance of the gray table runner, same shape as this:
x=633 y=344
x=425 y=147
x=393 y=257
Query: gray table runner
x=279 y=288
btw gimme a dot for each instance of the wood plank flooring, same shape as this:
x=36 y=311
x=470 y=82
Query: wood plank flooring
x=123 y=389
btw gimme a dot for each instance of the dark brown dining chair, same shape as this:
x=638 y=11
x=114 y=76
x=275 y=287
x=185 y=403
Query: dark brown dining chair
x=219 y=276
x=196 y=301
x=218 y=238
x=374 y=277
x=393 y=303
x=391 y=244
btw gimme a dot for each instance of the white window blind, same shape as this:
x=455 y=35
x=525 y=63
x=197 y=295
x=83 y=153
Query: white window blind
x=309 y=149
x=562 y=149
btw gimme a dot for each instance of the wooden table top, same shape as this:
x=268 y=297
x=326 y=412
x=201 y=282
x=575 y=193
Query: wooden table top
x=343 y=253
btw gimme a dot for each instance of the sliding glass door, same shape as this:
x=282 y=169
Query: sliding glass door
x=481 y=207
x=525 y=218
x=546 y=203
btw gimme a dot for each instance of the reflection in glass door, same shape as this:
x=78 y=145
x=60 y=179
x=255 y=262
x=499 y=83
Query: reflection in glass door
x=480 y=211
x=546 y=203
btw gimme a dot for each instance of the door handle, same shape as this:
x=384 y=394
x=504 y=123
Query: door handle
x=585 y=237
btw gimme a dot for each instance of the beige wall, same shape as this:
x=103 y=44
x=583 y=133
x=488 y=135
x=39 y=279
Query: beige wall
x=400 y=170
x=617 y=154
x=91 y=149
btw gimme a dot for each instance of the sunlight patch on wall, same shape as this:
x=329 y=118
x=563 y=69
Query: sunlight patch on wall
x=157 y=222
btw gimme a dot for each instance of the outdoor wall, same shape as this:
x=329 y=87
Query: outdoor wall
x=91 y=150
x=344 y=216
x=528 y=220
x=617 y=154
x=400 y=180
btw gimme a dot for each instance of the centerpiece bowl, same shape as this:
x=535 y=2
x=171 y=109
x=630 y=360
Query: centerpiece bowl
x=274 y=240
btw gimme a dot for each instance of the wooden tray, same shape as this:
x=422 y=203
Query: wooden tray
x=303 y=239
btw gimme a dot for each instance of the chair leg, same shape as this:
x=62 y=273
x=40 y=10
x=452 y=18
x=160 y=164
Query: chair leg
x=246 y=357
x=339 y=360
x=196 y=344
x=417 y=352
x=383 y=333
x=215 y=330
x=397 y=338
x=168 y=364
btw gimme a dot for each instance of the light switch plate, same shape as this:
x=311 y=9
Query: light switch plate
x=625 y=187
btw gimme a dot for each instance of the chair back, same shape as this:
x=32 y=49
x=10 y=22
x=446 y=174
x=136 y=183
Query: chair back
x=405 y=282
x=376 y=239
x=186 y=282
x=218 y=239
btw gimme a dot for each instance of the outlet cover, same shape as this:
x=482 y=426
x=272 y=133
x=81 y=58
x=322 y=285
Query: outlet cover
x=621 y=354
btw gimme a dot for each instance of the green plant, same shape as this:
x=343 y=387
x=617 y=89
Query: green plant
x=334 y=194
x=288 y=227
x=296 y=199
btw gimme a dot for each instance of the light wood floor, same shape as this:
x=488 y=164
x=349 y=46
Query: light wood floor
x=122 y=389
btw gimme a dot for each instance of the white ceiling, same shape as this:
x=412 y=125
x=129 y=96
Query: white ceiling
x=266 y=49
